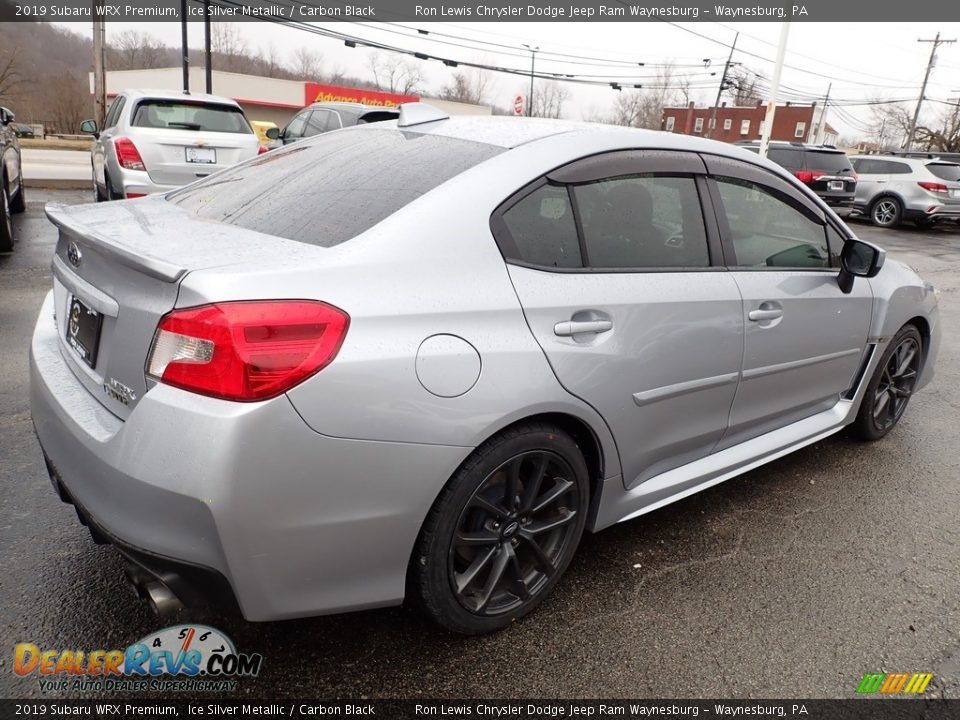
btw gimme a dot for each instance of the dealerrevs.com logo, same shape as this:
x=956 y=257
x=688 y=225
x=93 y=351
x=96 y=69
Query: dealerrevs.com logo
x=185 y=658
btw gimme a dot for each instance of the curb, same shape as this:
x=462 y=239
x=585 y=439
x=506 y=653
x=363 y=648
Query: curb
x=58 y=183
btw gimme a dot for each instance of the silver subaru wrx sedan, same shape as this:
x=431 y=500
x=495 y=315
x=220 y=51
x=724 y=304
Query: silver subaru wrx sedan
x=416 y=360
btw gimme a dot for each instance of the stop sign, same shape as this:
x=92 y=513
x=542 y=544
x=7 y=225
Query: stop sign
x=518 y=105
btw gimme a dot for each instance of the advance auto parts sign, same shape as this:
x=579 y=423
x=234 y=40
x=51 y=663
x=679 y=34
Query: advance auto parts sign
x=315 y=92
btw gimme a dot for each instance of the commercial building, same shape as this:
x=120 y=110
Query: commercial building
x=268 y=99
x=736 y=123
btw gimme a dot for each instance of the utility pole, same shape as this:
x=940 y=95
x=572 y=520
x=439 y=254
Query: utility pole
x=711 y=126
x=883 y=126
x=774 y=90
x=183 y=43
x=533 y=58
x=208 y=60
x=818 y=131
x=99 y=79
x=935 y=43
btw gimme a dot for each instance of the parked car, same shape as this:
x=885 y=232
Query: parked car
x=892 y=189
x=157 y=141
x=322 y=117
x=824 y=169
x=23 y=131
x=417 y=359
x=13 y=198
x=261 y=127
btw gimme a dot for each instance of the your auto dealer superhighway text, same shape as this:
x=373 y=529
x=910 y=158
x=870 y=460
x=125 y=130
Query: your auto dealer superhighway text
x=515 y=710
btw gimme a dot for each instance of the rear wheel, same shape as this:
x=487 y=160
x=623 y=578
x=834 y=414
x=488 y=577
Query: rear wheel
x=886 y=212
x=503 y=531
x=6 y=218
x=891 y=386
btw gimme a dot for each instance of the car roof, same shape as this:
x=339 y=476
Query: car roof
x=178 y=95
x=900 y=158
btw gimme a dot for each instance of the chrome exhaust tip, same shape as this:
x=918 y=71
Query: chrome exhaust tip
x=161 y=599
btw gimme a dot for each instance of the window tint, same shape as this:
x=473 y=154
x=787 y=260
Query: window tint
x=330 y=188
x=115 y=109
x=295 y=127
x=543 y=228
x=767 y=232
x=642 y=221
x=785 y=157
x=316 y=123
x=827 y=161
x=945 y=171
x=180 y=115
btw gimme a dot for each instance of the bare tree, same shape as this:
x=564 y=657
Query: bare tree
x=548 y=99
x=10 y=76
x=132 y=50
x=891 y=123
x=471 y=86
x=943 y=134
x=744 y=87
x=643 y=108
x=395 y=74
x=307 y=63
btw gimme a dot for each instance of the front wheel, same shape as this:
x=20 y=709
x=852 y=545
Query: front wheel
x=891 y=386
x=503 y=531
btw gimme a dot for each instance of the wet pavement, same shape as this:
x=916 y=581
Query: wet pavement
x=790 y=581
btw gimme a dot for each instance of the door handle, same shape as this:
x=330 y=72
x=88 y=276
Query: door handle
x=569 y=328
x=761 y=315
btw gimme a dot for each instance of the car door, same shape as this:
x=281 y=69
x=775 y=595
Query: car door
x=611 y=260
x=107 y=132
x=295 y=128
x=804 y=339
x=873 y=178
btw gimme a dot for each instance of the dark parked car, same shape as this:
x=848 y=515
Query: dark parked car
x=322 y=117
x=23 y=131
x=824 y=169
x=12 y=198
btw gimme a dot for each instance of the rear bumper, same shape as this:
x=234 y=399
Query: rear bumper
x=136 y=182
x=933 y=213
x=295 y=523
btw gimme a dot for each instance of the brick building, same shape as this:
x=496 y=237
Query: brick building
x=791 y=123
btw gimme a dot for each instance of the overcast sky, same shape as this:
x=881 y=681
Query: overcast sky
x=864 y=61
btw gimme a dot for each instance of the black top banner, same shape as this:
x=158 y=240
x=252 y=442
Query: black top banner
x=293 y=11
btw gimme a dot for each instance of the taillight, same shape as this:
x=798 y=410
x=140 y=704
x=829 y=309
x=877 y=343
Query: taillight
x=127 y=154
x=246 y=350
x=131 y=196
x=263 y=149
x=805 y=176
x=933 y=186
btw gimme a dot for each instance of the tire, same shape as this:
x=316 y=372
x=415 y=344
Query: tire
x=6 y=219
x=471 y=534
x=97 y=195
x=886 y=211
x=19 y=203
x=891 y=386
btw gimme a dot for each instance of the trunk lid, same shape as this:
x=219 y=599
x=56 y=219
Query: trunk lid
x=124 y=261
x=165 y=152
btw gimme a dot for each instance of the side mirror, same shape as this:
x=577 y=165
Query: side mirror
x=89 y=127
x=273 y=133
x=859 y=259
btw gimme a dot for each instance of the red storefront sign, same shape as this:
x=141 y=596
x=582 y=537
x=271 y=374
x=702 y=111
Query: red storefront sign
x=315 y=92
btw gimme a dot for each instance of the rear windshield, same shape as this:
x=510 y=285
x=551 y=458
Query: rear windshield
x=945 y=171
x=789 y=158
x=180 y=115
x=330 y=188
x=830 y=161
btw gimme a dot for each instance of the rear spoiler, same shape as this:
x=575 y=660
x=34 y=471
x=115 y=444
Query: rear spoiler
x=66 y=220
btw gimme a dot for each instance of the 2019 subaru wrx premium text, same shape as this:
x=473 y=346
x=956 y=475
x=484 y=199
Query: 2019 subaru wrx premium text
x=417 y=359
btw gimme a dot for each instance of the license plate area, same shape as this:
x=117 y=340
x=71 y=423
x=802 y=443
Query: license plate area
x=836 y=185
x=201 y=155
x=83 y=330
x=955 y=193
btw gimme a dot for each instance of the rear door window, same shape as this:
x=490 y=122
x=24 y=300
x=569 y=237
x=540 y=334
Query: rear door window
x=328 y=189
x=543 y=229
x=196 y=116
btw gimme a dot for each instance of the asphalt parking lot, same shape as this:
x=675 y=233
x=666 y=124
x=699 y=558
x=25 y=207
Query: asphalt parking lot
x=791 y=581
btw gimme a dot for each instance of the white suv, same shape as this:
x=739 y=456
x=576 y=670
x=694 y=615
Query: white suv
x=893 y=188
x=158 y=141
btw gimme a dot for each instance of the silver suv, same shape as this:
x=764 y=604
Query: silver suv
x=892 y=189
x=158 y=141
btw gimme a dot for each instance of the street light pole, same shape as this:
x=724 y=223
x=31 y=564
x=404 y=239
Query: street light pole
x=533 y=58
